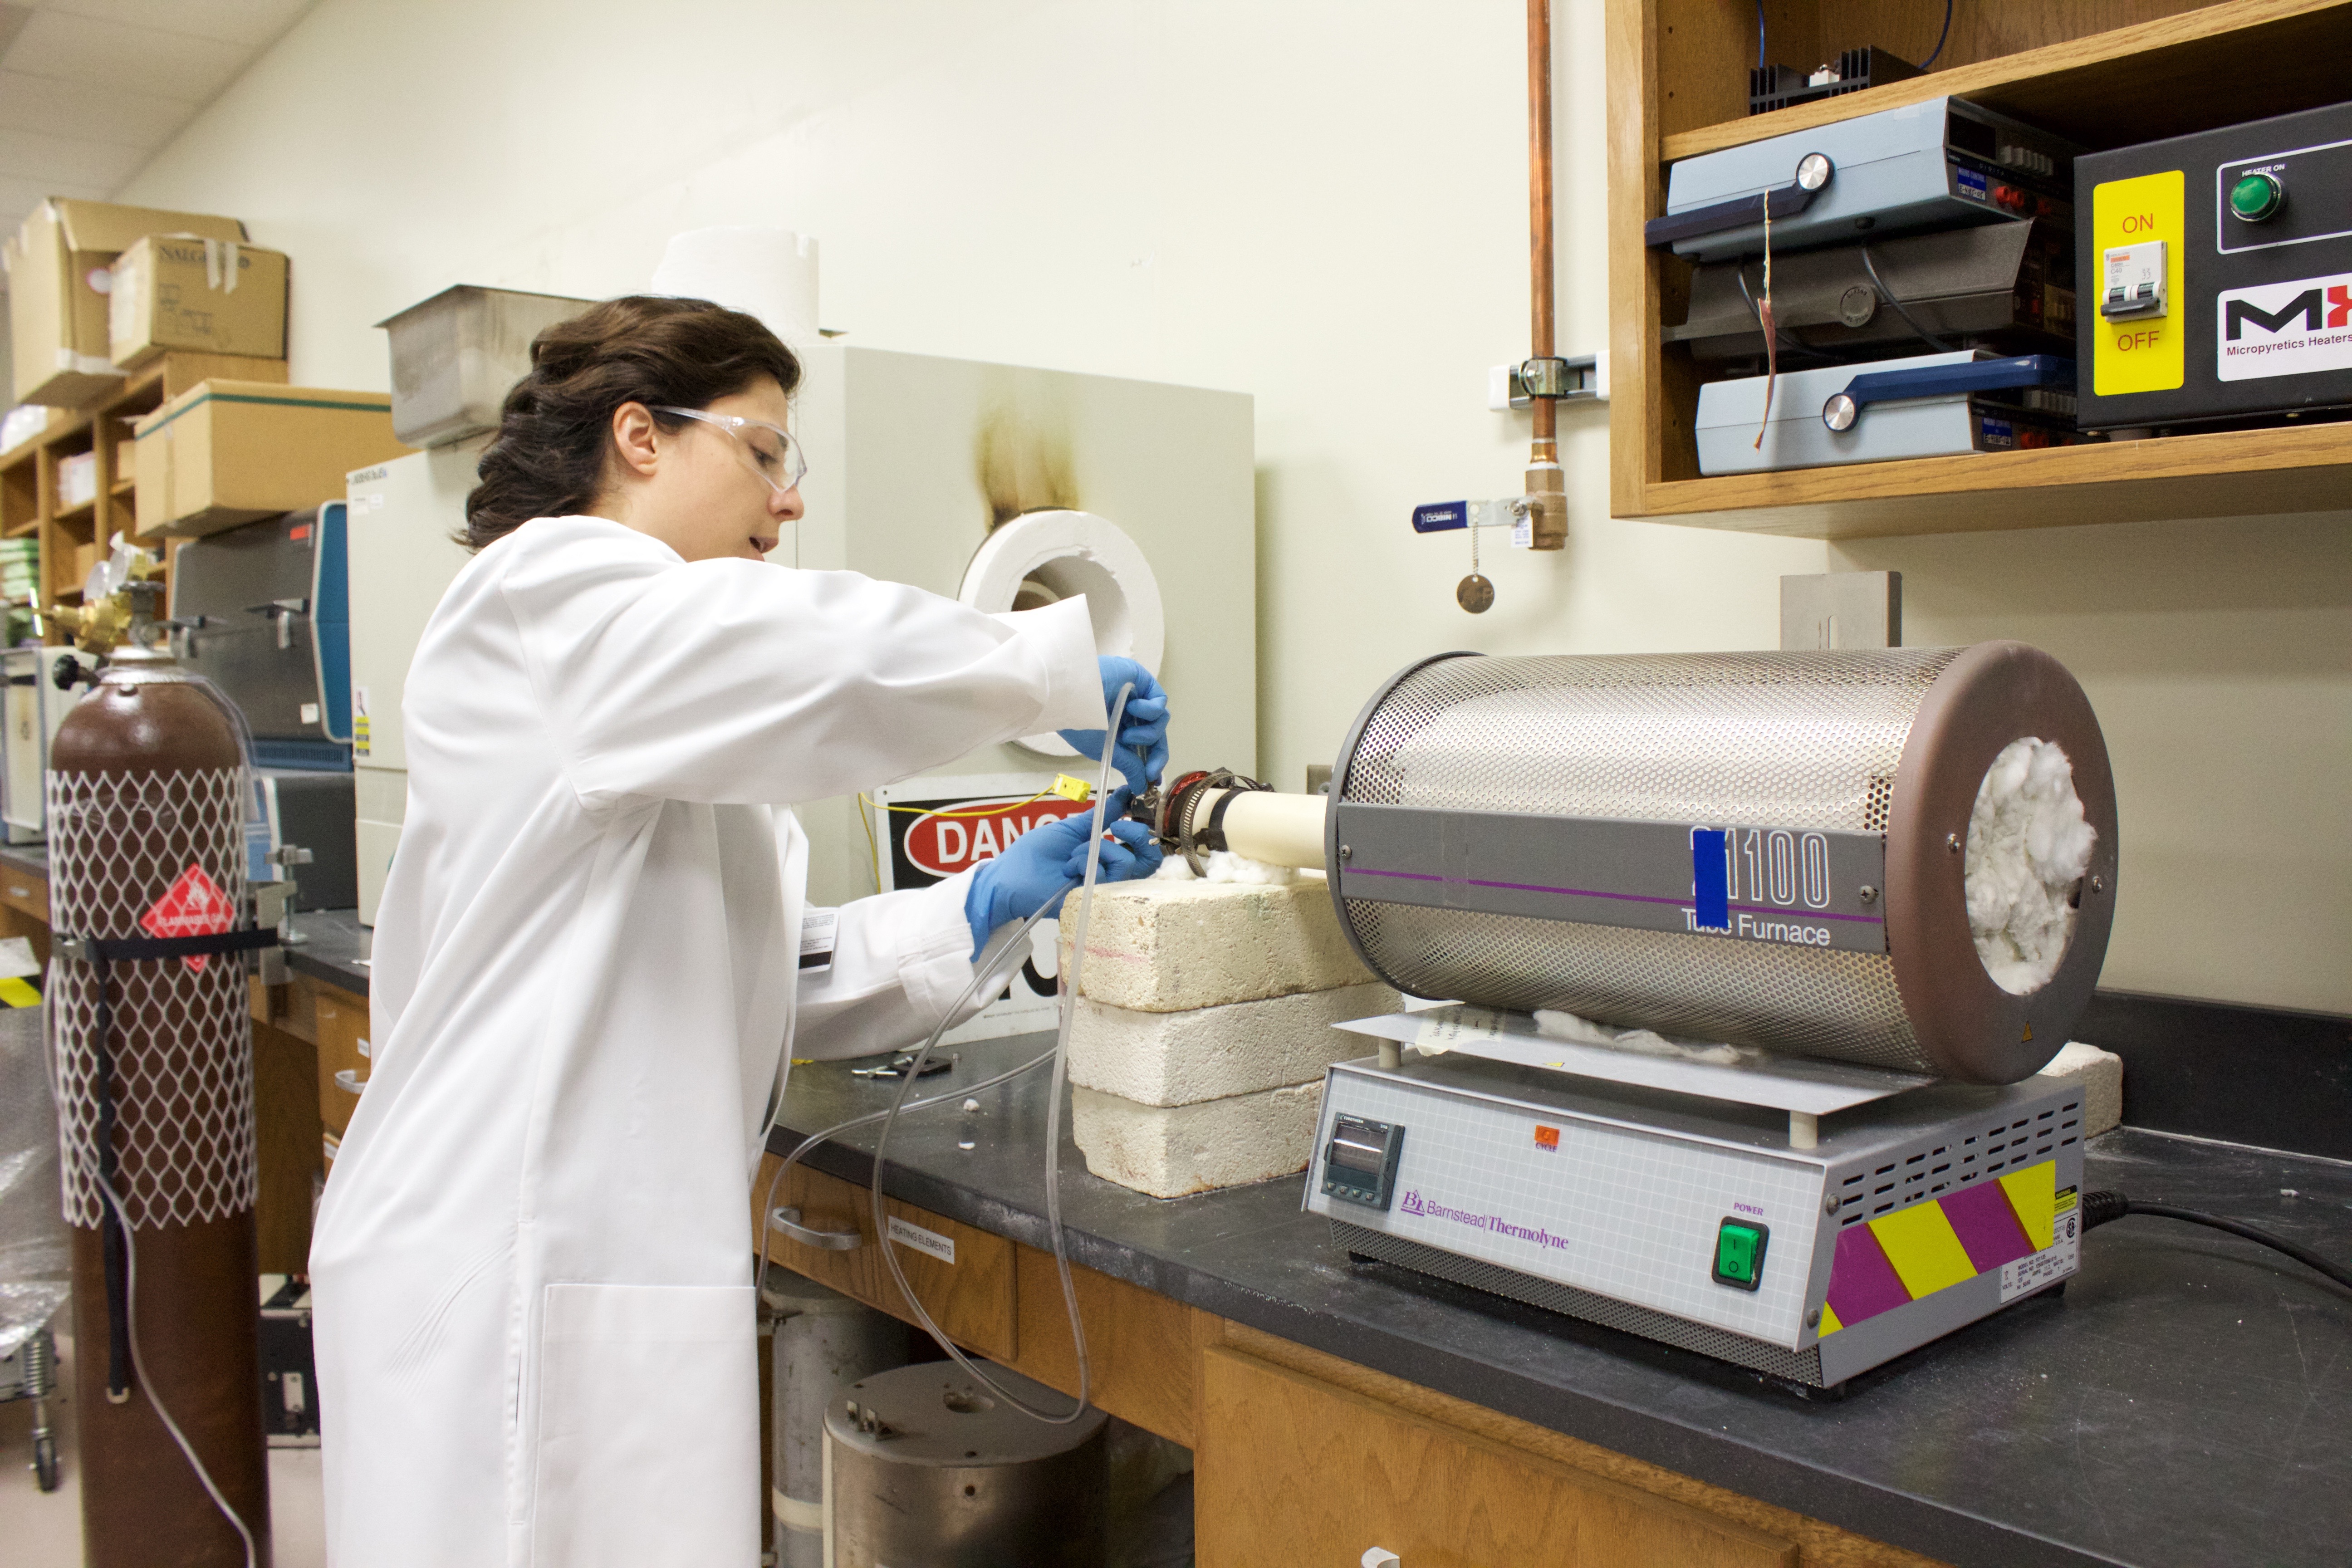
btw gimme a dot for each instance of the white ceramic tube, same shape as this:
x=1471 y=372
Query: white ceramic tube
x=1278 y=829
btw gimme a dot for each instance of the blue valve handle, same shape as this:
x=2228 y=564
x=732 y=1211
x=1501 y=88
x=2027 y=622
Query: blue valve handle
x=1942 y=380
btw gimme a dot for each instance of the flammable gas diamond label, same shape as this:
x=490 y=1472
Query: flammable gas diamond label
x=194 y=905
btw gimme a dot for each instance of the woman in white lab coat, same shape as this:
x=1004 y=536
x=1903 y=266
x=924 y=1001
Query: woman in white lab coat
x=533 y=1267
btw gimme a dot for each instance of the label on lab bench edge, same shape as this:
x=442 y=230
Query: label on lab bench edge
x=2050 y=1265
x=907 y=1234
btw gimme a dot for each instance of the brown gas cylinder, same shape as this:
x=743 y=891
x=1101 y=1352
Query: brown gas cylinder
x=146 y=796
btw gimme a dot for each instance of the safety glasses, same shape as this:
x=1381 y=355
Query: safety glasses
x=767 y=450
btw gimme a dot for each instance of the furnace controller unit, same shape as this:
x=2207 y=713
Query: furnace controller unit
x=2214 y=275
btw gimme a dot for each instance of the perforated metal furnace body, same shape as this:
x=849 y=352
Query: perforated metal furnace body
x=1523 y=833
x=1913 y=1217
x=1766 y=850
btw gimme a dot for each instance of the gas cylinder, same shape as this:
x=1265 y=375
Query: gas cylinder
x=146 y=806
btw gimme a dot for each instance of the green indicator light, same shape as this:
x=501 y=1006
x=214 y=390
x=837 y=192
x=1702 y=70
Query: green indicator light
x=2255 y=197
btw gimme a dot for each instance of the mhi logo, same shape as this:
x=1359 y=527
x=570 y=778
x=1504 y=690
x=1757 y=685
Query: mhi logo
x=2298 y=328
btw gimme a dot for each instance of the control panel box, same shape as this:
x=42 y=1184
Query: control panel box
x=2222 y=264
x=1694 y=1221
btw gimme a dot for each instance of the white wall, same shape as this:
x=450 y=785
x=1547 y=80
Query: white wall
x=1319 y=202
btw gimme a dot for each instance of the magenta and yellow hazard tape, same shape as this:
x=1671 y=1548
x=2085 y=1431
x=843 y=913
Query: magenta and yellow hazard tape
x=1930 y=1245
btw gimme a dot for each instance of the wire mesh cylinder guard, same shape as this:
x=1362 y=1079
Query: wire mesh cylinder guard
x=154 y=1065
x=1893 y=744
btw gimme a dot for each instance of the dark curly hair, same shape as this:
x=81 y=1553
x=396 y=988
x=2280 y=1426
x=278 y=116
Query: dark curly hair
x=554 y=429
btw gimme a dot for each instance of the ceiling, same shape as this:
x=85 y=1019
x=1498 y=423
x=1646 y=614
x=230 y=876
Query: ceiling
x=91 y=90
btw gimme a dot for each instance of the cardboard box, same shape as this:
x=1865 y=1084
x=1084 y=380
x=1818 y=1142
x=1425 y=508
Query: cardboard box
x=61 y=274
x=77 y=480
x=204 y=296
x=229 y=452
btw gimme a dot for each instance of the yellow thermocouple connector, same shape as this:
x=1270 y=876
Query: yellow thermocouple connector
x=1069 y=788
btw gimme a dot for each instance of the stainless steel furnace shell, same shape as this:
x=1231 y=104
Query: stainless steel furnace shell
x=1859 y=749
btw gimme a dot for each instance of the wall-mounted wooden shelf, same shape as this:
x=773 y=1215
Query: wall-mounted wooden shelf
x=2105 y=73
x=70 y=537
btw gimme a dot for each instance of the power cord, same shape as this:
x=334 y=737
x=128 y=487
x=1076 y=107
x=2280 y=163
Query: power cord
x=1931 y=58
x=2098 y=1208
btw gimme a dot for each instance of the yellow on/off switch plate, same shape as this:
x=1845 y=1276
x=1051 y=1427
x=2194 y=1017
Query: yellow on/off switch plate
x=2145 y=354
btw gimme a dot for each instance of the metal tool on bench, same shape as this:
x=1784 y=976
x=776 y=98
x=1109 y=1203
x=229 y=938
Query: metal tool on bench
x=1831 y=1150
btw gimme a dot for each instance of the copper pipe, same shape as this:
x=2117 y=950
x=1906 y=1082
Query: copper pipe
x=1546 y=484
x=1539 y=235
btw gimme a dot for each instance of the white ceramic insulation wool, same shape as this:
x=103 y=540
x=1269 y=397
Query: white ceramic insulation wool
x=1224 y=866
x=2028 y=848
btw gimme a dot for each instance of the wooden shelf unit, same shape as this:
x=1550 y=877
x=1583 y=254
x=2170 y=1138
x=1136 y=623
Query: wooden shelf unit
x=73 y=540
x=2105 y=73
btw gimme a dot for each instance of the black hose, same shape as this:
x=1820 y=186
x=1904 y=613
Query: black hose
x=1939 y=38
x=2098 y=1208
x=111 y=1220
x=1870 y=264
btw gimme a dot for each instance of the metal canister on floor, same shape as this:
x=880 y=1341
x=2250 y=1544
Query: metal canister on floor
x=924 y=1465
x=822 y=1340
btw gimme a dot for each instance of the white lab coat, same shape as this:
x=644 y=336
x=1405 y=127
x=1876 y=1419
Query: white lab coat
x=533 y=1269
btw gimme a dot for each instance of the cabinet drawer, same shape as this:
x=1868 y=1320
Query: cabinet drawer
x=973 y=1298
x=341 y=1021
x=1292 y=1470
x=25 y=893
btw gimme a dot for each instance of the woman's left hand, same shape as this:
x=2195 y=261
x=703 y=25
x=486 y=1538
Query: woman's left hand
x=1045 y=863
x=1142 y=730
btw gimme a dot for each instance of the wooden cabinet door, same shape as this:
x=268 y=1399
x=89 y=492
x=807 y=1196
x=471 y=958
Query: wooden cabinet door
x=1292 y=1472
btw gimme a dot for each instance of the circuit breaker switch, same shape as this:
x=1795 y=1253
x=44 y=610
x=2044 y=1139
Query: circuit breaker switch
x=2135 y=283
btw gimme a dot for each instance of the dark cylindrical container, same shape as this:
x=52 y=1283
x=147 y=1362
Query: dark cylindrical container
x=925 y=1466
x=146 y=839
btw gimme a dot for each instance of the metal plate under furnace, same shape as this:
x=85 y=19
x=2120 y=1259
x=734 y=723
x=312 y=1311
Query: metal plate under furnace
x=1693 y=1222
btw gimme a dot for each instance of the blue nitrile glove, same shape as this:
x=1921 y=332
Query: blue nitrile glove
x=1050 y=859
x=1142 y=730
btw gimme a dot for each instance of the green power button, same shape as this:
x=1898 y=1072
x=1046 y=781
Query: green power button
x=2256 y=196
x=1739 y=1254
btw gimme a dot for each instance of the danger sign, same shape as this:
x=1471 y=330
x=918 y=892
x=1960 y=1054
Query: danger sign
x=936 y=839
x=193 y=906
